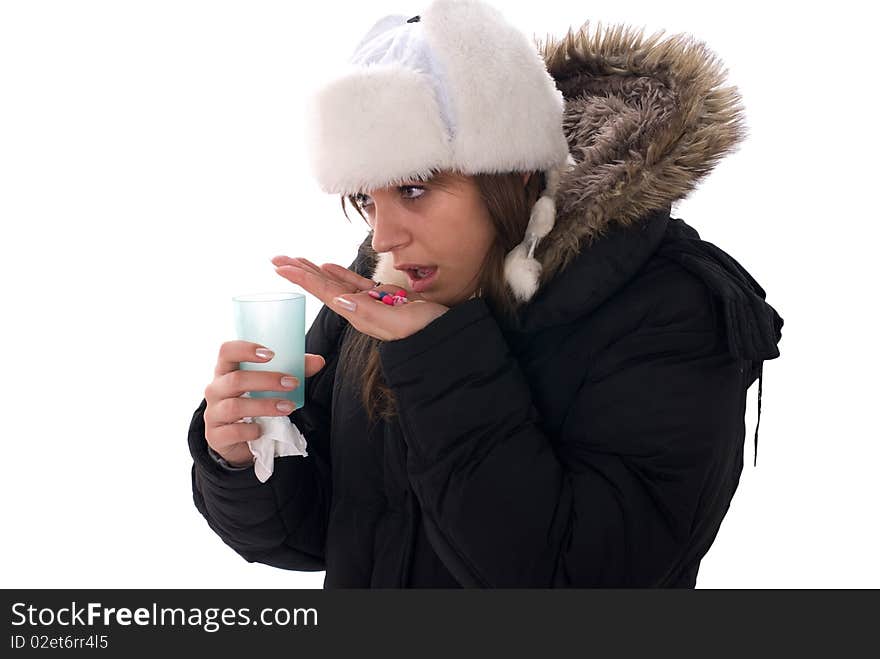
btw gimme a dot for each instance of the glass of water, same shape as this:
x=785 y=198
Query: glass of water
x=278 y=322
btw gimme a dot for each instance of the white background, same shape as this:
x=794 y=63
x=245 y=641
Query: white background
x=151 y=163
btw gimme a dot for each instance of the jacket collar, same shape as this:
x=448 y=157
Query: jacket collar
x=600 y=269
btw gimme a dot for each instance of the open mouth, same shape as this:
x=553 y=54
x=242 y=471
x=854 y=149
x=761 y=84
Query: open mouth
x=421 y=278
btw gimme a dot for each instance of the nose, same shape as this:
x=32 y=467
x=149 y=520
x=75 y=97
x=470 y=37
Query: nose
x=389 y=229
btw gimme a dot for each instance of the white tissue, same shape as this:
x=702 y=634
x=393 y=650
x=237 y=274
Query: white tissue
x=280 y=437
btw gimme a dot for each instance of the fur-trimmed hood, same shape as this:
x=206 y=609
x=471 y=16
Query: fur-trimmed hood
x=646 y=120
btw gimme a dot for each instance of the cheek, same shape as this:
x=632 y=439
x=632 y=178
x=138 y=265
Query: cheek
x=481 y=235
x=464 y=248
x=459 y=234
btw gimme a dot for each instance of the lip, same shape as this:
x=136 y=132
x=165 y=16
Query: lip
x=412 y=266
x=418 y=285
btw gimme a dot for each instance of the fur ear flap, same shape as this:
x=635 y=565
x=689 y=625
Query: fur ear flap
x=386 y=273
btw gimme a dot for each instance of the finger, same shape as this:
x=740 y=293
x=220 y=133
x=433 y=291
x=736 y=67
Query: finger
x=322 y=288
x=305 y=261
x=232 y=353
x=289 y=260
x=281 y=259
x=314 y=363
x=232 y=410
x=238 y=382
x=347 y=279
x=299 y=263
x=348 y=276
x=228 y=434
x=328 y=270
x=305 y=264
x=367 y=316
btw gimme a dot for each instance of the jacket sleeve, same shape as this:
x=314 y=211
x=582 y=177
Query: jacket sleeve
x=282 y=522
x=224 y=463
x=611 y=499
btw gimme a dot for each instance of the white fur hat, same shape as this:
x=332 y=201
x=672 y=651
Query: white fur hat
x=454 y=88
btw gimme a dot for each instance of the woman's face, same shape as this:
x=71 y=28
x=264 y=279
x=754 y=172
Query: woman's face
x=446 y=228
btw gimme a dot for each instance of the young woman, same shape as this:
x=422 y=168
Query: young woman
x=557 y=398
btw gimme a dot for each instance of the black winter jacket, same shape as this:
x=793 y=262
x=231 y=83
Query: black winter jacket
x=596 y=440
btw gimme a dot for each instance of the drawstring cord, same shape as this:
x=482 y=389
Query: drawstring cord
x=760 y=382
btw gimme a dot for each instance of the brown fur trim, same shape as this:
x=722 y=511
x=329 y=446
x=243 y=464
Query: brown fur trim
x=645 y=119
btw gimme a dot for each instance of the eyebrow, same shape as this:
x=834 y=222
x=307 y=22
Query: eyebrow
x=416 y=184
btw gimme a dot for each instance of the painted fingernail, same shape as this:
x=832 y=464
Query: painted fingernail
x=265 y=353
x=284 y=406
x=345 y=304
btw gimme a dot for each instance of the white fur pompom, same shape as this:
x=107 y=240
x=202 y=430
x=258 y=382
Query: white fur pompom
x=521 y=273
x=543 y=217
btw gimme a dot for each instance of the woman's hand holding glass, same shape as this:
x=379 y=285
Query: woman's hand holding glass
x=226 y=407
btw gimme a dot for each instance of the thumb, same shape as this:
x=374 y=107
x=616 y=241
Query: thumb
x=314 y=363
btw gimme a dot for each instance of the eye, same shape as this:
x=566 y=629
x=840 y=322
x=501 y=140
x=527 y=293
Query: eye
x=361 y=200
x=408 y=192
x=416 y=188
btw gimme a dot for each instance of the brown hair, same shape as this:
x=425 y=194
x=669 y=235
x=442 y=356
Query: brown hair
x=509 y=204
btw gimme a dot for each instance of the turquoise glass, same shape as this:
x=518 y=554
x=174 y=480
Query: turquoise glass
x=278 y=322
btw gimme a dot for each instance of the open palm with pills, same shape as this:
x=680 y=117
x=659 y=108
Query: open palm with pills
x=361 y=301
